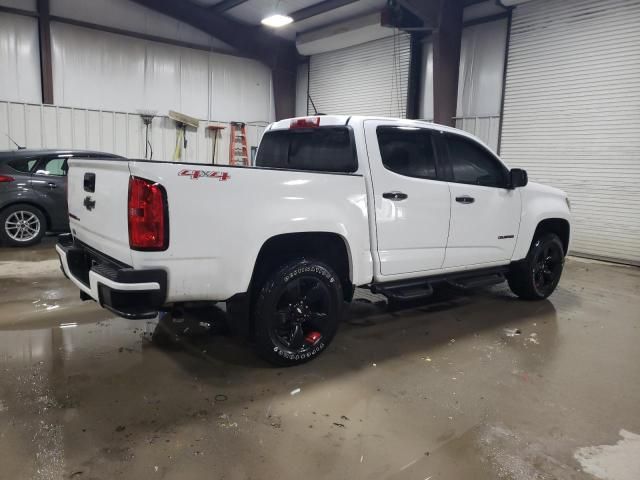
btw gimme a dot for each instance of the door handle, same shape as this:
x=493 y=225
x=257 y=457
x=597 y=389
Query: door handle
x=395 y=196
x=465 y=199
x=52 y=185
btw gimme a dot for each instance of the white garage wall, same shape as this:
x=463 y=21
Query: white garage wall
x=19 y=59
x=572 y=114
x=122 y=133
x=480 y=80
x=104 y=71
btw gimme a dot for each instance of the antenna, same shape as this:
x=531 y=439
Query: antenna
x=314 y=105
x=14 y=142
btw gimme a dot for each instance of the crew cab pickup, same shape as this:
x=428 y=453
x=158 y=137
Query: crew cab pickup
x=332 y=203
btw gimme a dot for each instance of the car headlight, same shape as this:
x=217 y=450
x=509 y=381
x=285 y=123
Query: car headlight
x=566 y=199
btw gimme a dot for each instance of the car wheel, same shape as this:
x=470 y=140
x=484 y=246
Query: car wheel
x=538 y=275
x=297 y=312
x=22 y=225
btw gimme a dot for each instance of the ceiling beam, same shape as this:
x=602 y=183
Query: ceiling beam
x=225 y=5
x=426 y=10
x=318 y=9
x=251 y=41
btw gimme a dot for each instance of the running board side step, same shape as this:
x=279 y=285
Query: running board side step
x=423 y=287
x=481 y=281
x=404 y=291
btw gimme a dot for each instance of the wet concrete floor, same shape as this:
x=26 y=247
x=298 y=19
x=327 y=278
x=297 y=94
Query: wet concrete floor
x=471 y=386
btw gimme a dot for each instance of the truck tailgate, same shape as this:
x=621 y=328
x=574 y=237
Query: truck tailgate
x=97 y=197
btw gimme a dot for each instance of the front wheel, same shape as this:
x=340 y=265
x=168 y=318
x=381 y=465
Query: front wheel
x=537 y=276
x=297 y=312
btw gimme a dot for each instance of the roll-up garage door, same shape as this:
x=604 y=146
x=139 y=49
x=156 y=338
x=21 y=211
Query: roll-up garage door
x=366 y=79
x=572 y=115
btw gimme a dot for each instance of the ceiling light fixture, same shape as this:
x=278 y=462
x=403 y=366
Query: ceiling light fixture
x=277 y=20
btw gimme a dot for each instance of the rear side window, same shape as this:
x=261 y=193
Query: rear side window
x=24 y=165
x=407 y=151
x=472 y=164
x=324 y=149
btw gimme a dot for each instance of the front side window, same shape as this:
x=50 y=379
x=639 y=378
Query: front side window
x=407 y=151
x=323 y=149
x=472 y=164
x=53 y=166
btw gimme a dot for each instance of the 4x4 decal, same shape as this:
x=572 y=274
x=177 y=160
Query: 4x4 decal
x=196 y=174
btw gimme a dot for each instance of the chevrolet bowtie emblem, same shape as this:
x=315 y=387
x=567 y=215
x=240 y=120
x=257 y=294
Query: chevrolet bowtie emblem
x=89 y=204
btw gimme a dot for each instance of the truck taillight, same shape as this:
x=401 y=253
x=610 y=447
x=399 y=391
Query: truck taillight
x=148 y=222
x=6 y=179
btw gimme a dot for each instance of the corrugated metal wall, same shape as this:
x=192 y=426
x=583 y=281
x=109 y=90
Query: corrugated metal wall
x=366 y=79
x=122 y=133
x=572 y=114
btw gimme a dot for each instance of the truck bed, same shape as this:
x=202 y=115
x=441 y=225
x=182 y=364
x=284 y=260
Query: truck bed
x=219 y=218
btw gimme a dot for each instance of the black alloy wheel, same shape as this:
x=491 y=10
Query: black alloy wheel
x=297 y=312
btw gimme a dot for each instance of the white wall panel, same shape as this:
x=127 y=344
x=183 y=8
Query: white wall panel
x=47 y=126
x=366 y=79
x=19 y=59
x=104 y=71
x=128 y=15
x=94 y=69
x=481 y=69
x=241 y=89
x=572 y=114
x=480 y=80
x=426 y=92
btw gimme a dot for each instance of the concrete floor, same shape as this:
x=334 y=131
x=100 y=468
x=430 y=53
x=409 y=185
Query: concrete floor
x=444 y=390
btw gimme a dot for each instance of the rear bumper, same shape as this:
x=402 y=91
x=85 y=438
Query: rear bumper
x=129 y=293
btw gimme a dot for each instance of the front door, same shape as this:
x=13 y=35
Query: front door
x=50 y=182
x=411 y=202
x=485 y=212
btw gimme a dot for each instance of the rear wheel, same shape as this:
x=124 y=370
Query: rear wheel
x=297 y=312
x=21 y=225
x=538 y=275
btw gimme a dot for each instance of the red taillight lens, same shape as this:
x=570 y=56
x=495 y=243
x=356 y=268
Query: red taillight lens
x=6 y=179
x=307 y=122
x=148 y=225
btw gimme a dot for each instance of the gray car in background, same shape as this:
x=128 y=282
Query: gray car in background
x=33 y=193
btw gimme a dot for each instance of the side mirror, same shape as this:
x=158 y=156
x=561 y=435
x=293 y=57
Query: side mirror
x=518 y=178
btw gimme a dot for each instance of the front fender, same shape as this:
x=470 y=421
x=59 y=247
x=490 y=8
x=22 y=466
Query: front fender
x=539 y=203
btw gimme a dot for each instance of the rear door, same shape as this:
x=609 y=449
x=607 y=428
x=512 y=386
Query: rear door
x=485 y=212
x=412 y=202
x=98 y=196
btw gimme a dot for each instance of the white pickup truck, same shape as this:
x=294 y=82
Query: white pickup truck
x=333 y=203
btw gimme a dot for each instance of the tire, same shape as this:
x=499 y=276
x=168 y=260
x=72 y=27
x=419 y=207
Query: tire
x=537 y=276
x=22 y=225
x=297 y=312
